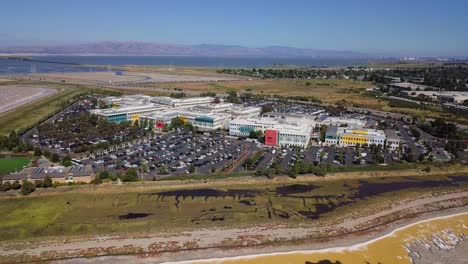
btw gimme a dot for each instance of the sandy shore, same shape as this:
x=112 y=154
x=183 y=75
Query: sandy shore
x=337 y=245
x=229 y=242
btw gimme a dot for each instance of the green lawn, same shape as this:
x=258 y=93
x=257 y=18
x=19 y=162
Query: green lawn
x=8 y=165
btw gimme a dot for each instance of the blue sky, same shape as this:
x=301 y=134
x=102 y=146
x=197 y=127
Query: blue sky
x=397 y=27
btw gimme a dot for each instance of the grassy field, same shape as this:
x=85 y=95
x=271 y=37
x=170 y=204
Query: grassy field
x=29 y=114
x=179 y=70
x=111 y=209
x=8 y=165
x=329 y=91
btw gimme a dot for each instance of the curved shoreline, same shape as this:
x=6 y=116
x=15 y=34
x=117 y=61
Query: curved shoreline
x=339 y=249
x=281 y=248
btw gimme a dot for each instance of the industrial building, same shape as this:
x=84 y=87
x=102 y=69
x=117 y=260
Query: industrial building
x=126 y=113
x=60 y=174
x=392 y=139
x=343 y=136
x=182 y=102
x=205 y=121
x=207 y=113
x=280 y=129
x=277 y=132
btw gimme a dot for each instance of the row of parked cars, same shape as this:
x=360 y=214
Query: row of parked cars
x=177 y=152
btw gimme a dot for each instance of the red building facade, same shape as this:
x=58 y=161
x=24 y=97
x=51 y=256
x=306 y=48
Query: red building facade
x=271 y=137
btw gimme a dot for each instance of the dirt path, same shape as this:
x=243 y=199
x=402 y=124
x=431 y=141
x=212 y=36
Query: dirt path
x=195 y=244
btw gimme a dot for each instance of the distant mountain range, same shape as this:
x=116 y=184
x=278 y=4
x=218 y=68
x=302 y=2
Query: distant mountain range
x=156 y=49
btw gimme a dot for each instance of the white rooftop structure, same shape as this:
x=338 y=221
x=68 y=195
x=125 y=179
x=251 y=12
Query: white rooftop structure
x=182 y=102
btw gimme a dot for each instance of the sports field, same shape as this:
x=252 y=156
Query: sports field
x=8 y=165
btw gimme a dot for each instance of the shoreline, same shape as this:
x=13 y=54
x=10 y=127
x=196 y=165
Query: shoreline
x=282 y=247
x=337 y=249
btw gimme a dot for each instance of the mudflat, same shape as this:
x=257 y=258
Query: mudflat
x=14 y=96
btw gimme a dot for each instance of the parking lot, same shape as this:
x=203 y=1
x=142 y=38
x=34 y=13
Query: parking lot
x=175 y=153
x=351 y=156
x=75 y=131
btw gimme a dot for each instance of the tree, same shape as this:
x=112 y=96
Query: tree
x=47 y=182
x=118 y=164
x=97 y=180
x=27 y=187
x=37 y=152
x=248 y=163
x=189 y=127
x=421 y=157
x=322 y=155
x=267 y=108
x=66 y=161
x=136 y=123
x=232 y=93
x=151 y=124
x=144 y=123
x=104 y=175
x=55 y=158
x=379 y=158
x=37 y=183
x=191 y=168
x=47 y=154
x=15 y=185
x=256 y=134
x=323 y=132
x=144 y=167
x=409 y=157
x=430 y=158
x=6 y=186
x=177 y=122
x=163 y=170
x=130 y=175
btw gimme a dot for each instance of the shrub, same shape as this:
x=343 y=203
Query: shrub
x=104 y=175
x=27 y=187
x=130 y=176
x=15 y=185
x=5 y=187
x=47 y=182
x=97 y=180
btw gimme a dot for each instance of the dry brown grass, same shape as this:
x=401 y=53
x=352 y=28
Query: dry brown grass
x=329 y=91
x=193 y=71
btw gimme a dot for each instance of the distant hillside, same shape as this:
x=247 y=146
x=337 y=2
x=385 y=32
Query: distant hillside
x=155 y=49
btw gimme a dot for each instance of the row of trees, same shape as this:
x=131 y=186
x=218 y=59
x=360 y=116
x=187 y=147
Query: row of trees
x=26 y=186
x=445 y=77
x=446 y=130
x=12 y=143
x=300 y=167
